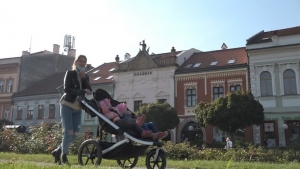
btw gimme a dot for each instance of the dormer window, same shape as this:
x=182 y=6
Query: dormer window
x=109 y=77
x=188 y=66
x=197 y=65
x=214 y=63
x=97 y=78
x=231 y=61
x=96 y=71
x=112 y=69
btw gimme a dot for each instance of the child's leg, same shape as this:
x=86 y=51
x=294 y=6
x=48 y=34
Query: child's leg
x=152 y=127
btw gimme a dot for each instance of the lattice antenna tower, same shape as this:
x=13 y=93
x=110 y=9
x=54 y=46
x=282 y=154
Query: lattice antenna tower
x=69 y=43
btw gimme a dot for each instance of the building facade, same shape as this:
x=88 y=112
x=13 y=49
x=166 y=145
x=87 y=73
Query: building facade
x=9 y=80
x=148 y=78
x=39 y=102
x=205 y=76
x=275 y=81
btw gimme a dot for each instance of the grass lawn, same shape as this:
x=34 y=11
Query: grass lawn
x=23 y=161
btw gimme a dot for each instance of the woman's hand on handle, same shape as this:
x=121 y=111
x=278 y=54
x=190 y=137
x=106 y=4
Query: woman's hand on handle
x=87 y=91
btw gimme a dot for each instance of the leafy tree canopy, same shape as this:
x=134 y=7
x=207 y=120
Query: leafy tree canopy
x=234 y=111
x=161 y=114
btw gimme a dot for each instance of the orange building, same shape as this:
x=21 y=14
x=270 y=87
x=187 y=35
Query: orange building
x=205 y=76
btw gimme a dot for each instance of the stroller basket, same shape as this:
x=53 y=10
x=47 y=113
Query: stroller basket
x=123 y=152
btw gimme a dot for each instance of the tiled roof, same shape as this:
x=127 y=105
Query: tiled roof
x=266 y=36
x=44 y=86
x=102 y=71
x=222 y=57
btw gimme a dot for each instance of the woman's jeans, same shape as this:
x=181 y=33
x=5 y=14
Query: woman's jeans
x=149 y=126
x=71 y=120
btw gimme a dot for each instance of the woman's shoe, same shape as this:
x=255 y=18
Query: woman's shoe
x=56 y=154
x=64 y=160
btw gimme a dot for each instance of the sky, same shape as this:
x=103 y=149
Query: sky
x=106 y=28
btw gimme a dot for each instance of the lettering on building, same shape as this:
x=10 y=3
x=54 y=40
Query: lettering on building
x=142 y=73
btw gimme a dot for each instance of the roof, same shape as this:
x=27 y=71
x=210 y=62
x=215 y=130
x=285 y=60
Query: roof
x=100 y=74
x=45 y=86
x=204 y=60
x=266 y=36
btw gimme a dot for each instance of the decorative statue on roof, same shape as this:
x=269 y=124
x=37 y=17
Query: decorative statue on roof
x=143 y=45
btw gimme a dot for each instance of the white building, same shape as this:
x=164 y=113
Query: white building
x=148 y=78
x=275 y=81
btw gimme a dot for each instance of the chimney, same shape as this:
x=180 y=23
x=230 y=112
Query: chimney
x=25 y=53
x=72 y=52
x=173 y=51
x=55 y=49
x=224 y=46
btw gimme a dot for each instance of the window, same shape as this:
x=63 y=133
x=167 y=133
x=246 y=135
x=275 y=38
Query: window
x=231 y=61
x=188 y=65
x=218 y=91
x=197 y=65
x=51 y=111
x=266 y=84
x=289 y=82
x=9 y=86
x=109 y=77
x=1 y=86
x=97 y=78
x=161 y=100
x=6 y=113
x=19 y=113
x=269 y=133
x=293 y=131
x=190 y=97
x=214 y=63
x=96 y=71
x=235 y=88
x=29 y=112
x=41 y=109
x=137 y=105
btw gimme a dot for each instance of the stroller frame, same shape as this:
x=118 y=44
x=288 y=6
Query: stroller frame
x=124 y=151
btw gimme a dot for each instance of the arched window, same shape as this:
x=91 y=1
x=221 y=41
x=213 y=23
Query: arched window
x=289 y=82
x=266 y=84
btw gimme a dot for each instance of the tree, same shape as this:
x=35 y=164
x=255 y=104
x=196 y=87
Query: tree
x=161 y=114
x=234 y=111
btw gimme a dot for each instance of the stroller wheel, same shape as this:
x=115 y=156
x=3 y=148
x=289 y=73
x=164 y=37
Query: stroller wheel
x=160 y=162
x=90 y=153
x=129 y=163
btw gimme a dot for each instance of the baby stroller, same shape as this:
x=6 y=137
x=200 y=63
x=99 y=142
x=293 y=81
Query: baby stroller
x=125 y=151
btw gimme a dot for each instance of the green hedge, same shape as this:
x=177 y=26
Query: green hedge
x=47 y=136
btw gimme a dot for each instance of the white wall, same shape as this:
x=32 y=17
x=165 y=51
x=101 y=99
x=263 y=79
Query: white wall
x=148 y=88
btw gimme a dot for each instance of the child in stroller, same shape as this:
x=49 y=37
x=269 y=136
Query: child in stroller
x=124 y=151
x=121 y=112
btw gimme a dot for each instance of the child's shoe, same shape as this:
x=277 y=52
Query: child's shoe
x=140 y=120
x=146 y=133
x=162 y=135
x=154 y=136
